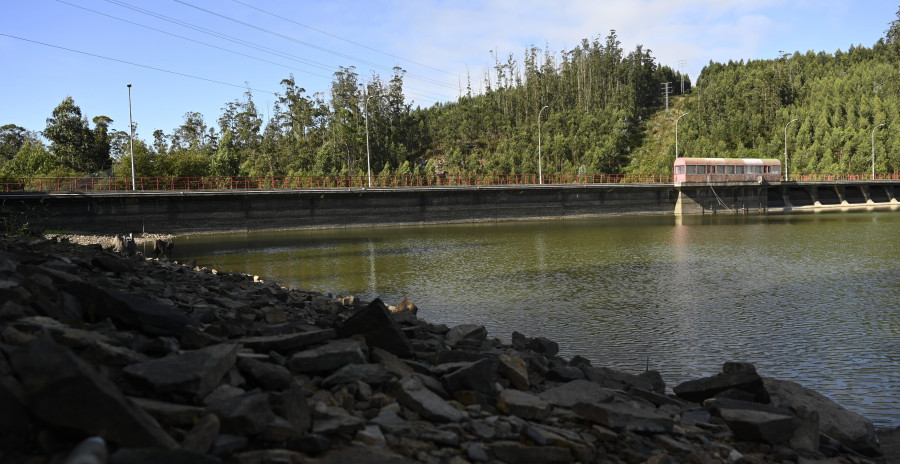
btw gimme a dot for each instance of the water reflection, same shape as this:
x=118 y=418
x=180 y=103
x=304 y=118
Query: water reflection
x=811 y=298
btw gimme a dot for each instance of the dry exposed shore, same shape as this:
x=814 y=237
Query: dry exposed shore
x=107 y=241
x=166 y=363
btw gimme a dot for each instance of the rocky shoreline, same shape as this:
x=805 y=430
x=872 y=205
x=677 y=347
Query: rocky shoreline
x=109 y=358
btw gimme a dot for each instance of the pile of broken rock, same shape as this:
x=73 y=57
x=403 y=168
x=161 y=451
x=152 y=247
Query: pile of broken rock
x=105 y=358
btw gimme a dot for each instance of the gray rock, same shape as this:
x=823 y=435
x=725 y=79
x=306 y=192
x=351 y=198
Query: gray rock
x=371 y=435
x=513 y=452
x=167 y=413
x=202 y=435
x=373 y=374
x=112 y=264
x=760 y=426
x=328 y=357
x=523 y=404
x=227 y=443
x=292 y=406
x=101 y=352
x=244 y=415
x=287 y=344
x=391 y=362
x=476 y=452
x=576 y=391
x=380 y=329
x=390 y=421
x=739 y=376
x=130 y=310
x=444 y=438
x=267 y=375
x=561 y=372
x=193 y=374
x=466 y=334
x=514 y=369
x=62 y=389
x=366 y=454
x=329 y=420
x=619 y=416
x=543 y=346
x=847 y=427
x=478 y=376
x=413 y=395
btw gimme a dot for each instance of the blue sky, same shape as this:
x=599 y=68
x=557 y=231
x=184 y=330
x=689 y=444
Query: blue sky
x=182 y=55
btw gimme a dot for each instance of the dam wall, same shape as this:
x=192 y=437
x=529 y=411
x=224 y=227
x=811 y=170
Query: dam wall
x=218 y=211
x=181 y=212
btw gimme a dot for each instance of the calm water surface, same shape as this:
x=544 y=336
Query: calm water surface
x=813 y=298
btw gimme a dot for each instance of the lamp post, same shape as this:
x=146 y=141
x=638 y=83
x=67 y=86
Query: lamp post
x=131 y=139
x=676 y=134
x=785 y=149
x=368 y=155
x=873 y=149
x=540 y=174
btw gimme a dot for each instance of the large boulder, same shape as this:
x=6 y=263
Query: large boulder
x=413 y=395
x=380 y=329
x=190 y=375
x=466 y=335
x=737 y=380
x=63 y=390
x=847 y=427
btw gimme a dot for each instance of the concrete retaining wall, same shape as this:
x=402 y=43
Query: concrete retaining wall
x=192 y=212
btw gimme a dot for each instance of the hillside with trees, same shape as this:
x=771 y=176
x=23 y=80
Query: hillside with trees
x=597 y=108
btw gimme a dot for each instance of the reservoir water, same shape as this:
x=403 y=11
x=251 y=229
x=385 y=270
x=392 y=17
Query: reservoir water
x=812 y=298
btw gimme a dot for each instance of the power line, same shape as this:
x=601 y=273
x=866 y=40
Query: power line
x=341 y=38
x=295 y=40
x=222 y=36
x=136 y=64
x=246 y=43
x=192 y=40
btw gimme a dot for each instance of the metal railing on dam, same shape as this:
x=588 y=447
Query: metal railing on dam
x=206 y=183
x=122 y=184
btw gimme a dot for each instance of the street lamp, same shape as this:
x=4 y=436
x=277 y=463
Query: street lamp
x=873 y=149
x=131 y=139
x=785 y=148
x=540 y=174
x=676 y=134
x=368 y=155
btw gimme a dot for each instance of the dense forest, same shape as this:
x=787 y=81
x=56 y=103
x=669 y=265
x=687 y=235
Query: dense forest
x=598 y=109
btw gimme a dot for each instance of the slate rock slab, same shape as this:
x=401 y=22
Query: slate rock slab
x=412 y=394
x=576 y=391
x=329 y=357
x=376 y=323
x=845 y=426
x=63 y=390
x=193 y=374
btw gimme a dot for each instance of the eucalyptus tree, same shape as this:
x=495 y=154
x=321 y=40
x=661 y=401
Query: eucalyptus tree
x=74 y=145
x=12 y=138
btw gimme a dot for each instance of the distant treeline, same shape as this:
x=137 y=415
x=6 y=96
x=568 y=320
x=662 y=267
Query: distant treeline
x=596 y=109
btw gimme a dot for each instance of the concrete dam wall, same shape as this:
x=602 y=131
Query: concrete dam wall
x=181 y=212
x=219 y=211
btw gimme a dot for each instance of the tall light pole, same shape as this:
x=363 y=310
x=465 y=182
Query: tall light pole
x=368 y=156
x=873 y=149
x=540 y=174
x=676 y=134
x=785 y=148
x=131 y=139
